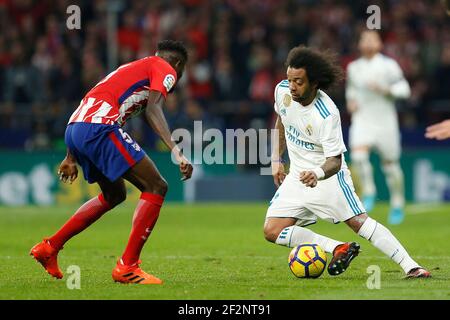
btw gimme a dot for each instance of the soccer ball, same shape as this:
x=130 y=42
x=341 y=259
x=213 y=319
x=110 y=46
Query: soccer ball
x=307 y=260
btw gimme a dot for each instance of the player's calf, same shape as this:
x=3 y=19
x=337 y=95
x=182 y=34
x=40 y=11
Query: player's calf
x=387 y=243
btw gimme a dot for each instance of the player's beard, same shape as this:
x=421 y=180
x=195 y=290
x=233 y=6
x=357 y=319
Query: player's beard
x=307 y=97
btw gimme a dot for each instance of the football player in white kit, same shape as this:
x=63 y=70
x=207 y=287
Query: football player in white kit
x=374 y=82
x=319 y=183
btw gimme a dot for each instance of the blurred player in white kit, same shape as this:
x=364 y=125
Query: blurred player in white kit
x=374 y=83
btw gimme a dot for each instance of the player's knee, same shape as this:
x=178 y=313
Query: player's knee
x=159 y=186
x=271 y=233
x=360 y=156
x=356 y=222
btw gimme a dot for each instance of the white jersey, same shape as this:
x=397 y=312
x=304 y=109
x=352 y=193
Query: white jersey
x=313 y=132
x=375 y=109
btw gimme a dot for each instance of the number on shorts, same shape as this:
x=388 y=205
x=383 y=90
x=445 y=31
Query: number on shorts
x=125 y=136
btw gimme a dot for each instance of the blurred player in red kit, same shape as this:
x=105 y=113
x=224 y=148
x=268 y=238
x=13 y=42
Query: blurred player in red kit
x=108 y=155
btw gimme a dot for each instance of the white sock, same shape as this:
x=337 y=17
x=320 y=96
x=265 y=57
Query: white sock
x=364 y=171
x=394 y=180
x=294 y=235
x=385 y=241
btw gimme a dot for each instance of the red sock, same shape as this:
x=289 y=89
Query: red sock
x=145 y=217
x=87 y=214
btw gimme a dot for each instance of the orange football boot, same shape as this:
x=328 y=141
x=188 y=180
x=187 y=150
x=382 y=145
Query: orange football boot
x=343 y=254
x=133 y=274
x=46 y=255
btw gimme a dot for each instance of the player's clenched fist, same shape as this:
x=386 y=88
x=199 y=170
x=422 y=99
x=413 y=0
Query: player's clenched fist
x=308 y=178
x=68 y=170
x=185 y=168
x=278 y=172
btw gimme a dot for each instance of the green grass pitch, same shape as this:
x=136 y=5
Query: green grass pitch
x=215 y=251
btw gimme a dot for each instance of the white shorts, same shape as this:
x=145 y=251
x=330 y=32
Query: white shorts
x=333 y=199
x=385 y=140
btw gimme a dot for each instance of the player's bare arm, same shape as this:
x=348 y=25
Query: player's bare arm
x=68 y=170
x=331 y=166
x=279 y=147
x=156 y=119
x=439 y=131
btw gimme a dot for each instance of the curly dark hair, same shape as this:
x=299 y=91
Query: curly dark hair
x=173 y=46
x=320 y=66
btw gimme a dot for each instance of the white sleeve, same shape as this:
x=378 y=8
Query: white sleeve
x=350 y=89
x=398 y=85
x=275 y=105
x=331 y=136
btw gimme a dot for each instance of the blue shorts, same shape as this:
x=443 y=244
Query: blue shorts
x=102 y=150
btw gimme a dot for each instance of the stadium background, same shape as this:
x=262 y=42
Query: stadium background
x=237 y=50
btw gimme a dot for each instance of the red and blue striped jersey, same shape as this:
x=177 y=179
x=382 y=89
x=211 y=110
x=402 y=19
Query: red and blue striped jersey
x=124 y=92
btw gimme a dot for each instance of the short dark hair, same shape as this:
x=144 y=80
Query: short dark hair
x=173 y=46
x=321 y=66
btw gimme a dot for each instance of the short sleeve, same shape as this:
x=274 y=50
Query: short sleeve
x=275 y=104
x=162 y=77
x=398 y=85
x=331 y=136
x=395 y=72
x=350 y=92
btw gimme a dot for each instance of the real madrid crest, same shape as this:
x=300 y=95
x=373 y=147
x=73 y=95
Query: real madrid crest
x=287 y=100
x=309 y=130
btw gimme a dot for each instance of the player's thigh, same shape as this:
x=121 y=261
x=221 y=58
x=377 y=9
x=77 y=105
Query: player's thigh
x=288 y=203
x=76 y=136
x=145 y=176
x=388 y=146
x=335 y=199
x=361 y=138
x=105 y=149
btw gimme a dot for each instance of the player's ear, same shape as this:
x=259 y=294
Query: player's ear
x=179 y=63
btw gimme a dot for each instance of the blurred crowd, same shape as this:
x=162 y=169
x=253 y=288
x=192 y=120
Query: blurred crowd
x=237 y=51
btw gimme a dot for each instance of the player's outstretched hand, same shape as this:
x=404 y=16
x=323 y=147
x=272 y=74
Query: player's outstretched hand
x=308 y=178
x=439 y=131
x=278 y=173
x=185 y=168
x=68 y=170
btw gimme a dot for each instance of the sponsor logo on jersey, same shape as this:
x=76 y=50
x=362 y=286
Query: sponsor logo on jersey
x=168 y=82
x=292 y=134
x=309 y=130
x=283 y=112
x=287 y=100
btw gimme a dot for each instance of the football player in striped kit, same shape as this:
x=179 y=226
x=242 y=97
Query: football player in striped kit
x=319 y=183
x=108 y=155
